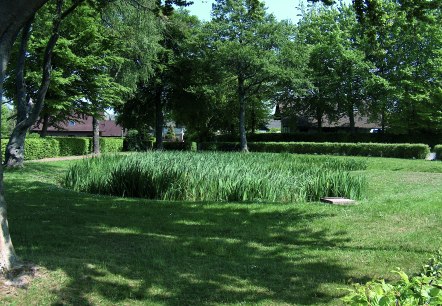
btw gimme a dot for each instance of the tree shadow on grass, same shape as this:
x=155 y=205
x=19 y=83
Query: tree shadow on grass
x=123 y=250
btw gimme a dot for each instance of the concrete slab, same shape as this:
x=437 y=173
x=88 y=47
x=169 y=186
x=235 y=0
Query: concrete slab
x=338 y=201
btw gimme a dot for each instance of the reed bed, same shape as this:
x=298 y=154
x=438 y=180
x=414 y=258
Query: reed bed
x=188 y=176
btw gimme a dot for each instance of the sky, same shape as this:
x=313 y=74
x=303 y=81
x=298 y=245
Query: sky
x=282 y=9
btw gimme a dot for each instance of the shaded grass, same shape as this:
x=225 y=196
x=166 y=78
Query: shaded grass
x=99 y=250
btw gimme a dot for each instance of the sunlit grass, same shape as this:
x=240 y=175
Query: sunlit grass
x=102 y=250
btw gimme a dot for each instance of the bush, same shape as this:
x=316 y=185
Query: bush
x=422 y=289
x=438 y=151
x=111 y=145
x=429 y=139
x=38 y=148
x=418 y=151
x=70 y=146
x=180 y=146
x=135 y=141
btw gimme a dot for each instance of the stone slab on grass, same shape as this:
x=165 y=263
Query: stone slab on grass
x=338 y=201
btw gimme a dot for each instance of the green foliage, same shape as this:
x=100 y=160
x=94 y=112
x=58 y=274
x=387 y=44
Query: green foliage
x=136 y=141
x=111 y=145
x=429 y=139
x=38 y=148
x=70 y=146
x=422 y=289
x=438 y=151
x=417 y=151
x=214 y=177
x=7 y=124
x=170 y=135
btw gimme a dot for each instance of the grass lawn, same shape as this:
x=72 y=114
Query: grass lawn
x=99 y=250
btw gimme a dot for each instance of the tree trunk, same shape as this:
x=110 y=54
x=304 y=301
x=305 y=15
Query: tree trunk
x=319 y=119
x=383 y=120
x=14 y=154
x=351 y=116
x=8 y=258
x=45 y=125
x=242 y=114
x=253 y=121
x=96 y=135
x=20 y=84
x=159 y=120
x=15 y=150
x=13 y=14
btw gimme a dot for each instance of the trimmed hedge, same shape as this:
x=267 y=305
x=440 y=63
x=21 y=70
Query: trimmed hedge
x=111 y=145
x=438 y=151
x=418 y=151
x=70 y=146
x=38 y=148
x=429 y=139
x=180 y=146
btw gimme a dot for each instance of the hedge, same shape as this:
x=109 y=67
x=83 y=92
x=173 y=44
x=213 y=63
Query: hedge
x=38 y=148
x=111 y=145
x=438 y=151
x=179 y=146
x=70 y=146
x=418 y=151
x=429 y=139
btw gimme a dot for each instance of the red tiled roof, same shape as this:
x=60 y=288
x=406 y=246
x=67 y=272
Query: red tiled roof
x=108 y=128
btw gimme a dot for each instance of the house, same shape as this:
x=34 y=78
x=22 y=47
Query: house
x=82 y=127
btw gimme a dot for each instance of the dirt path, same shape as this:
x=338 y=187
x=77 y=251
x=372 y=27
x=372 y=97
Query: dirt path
x=59 y=158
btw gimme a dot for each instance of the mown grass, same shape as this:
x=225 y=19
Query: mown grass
x=100 y=250
x=224 y=177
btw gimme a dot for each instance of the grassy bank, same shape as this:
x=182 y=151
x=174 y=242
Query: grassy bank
x=102 y=250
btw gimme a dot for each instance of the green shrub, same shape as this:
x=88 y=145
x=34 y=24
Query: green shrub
x=111 y=145
x=422 y=289
x=418 y=151
x=438 y=151
x=70 y=146
x=136 y=142
x=190 y=176
x=427 y=138
x=180 y=146
x=38 y=148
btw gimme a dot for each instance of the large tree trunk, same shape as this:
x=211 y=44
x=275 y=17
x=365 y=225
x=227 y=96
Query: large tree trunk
x=20 y=84
x=242 y=114
x=96 y=135
x=8 y=258
x=13 y=14
x=15 y=150
x=14 y=154
x=159 y=120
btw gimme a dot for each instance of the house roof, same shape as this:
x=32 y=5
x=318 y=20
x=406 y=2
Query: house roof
x=108 y=128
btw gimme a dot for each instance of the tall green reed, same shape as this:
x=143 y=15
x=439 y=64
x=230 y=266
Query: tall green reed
x=217 y=176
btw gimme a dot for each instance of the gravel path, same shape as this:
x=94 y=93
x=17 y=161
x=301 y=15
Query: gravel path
x=60 y=158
